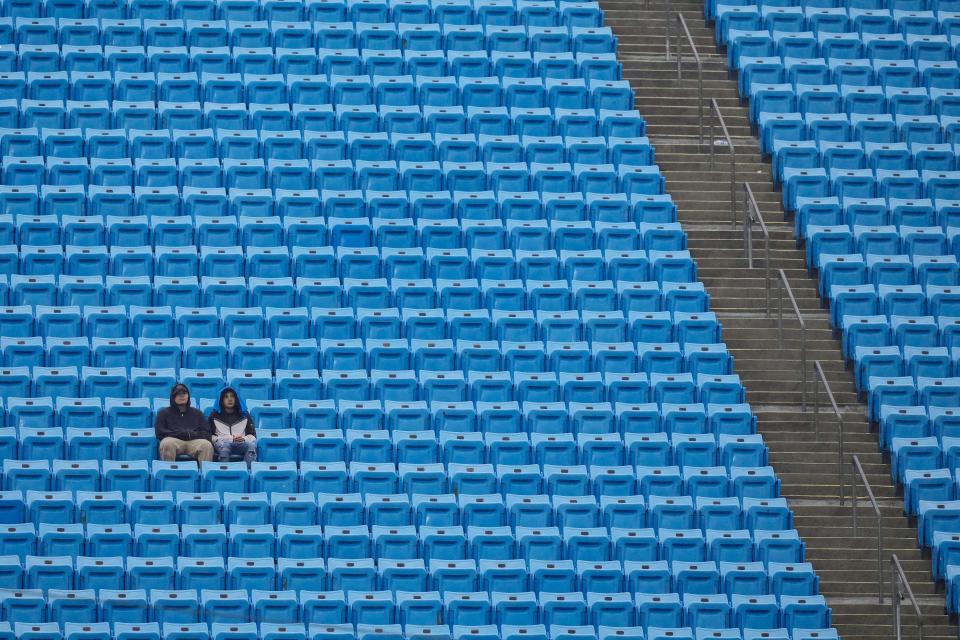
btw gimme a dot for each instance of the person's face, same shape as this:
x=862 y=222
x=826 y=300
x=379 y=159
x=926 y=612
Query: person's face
x=181 y=397
x=229 y=401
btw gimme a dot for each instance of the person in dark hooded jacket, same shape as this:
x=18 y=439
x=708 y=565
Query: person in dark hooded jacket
x=182 y=429
x=232 y=427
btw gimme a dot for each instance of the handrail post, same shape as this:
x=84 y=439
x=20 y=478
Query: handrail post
x=696 y=57
x=816 y=410
x=747 y=229
x=783 y=284
x=821 y=378
x=710 y=141
x=751 y=214
x=733 y=178
x=665 y=9
x=766 y=272
x=900 y=588
x=878 y=516
x=732 y=150
x=780 y=314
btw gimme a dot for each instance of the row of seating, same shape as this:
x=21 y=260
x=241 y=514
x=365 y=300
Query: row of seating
x=80 y=268
x=237 y=512
x=434 y=71
x=863 y=128
x=315 y=419
x=922 y=454
x=874 y=156
x=228 y=612
x=301 y=55
x=387 y=574
x=268 y=631
x=125 y=213
x=586 y=253
x=893 y=362
x=656 y=344
x=650 y=337
x=818 y=6
x=911 y=241
x=202 y=631
x=905 y=392
x=490 y=179
x=580 y=265
x=392 y=90
x=898 y=87
x=225 y=239
x=154 y=327
x=632 y=288
x=769 y=98
x=238 y=29
x=238 y=607
x=882 y=129
x=397 y=383
x=864 y=21
x=367 y=27
x=364 y=443
x=212 y=74
x=334 y=145
x=835 y=46
x=424 y=12
x=425 y=478
x=916 y=422
x=532 y=122
x=896 y=301
x=388 y=364
x=874 y=212
x=901 y=270
x=259 y=543
x=705 y=503
x=406 y=11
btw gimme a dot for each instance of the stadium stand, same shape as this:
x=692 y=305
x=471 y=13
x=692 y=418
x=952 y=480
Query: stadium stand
x=429 y=244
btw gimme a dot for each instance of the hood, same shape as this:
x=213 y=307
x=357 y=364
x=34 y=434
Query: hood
x=173 y=392
x=218 y=407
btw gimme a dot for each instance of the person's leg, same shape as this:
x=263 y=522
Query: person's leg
x=202 y=450
x=170 y=447
x=223 y=448
x=249 y=451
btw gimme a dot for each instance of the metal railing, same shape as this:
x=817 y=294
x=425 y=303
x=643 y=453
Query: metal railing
x=858 y=471
x=900 y=588
x=751 y=214
x=665 y=10
x=716 y=118
x=820 y=379
x=677 y=44
x=784 y=285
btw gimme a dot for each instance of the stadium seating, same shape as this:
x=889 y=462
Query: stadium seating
x=428 y=243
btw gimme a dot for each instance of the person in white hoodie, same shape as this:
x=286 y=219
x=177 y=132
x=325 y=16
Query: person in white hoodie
x=232 y=429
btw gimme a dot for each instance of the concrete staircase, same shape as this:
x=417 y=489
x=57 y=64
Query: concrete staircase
x=809 y=468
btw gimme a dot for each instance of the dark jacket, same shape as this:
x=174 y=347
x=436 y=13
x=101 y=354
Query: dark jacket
x=183 y=424
x=225 y=425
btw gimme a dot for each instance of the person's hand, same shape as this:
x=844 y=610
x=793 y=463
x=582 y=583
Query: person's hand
x=238 y=438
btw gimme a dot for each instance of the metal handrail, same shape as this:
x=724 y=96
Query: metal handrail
x=751 y=214
x=858 y=470
x=665 y=10
x=696 y=57
x=819 y=379
x=900 y=587
x=717 y=118
x=783 y=284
